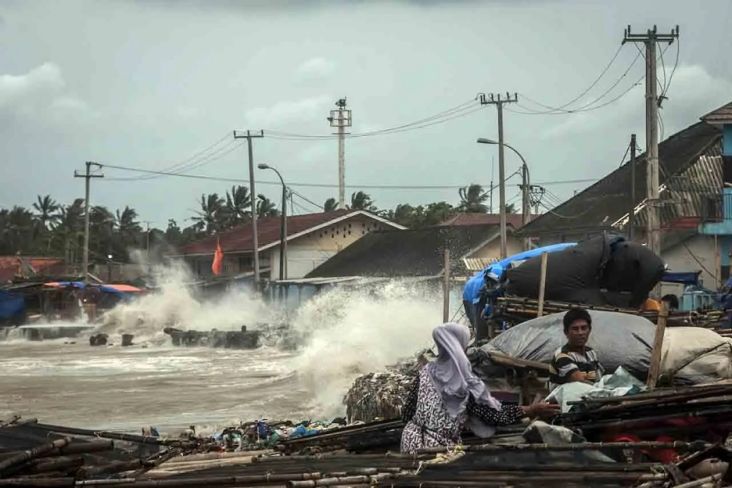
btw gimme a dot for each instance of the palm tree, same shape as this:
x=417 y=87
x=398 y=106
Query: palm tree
x=362 y=201
x=16 y=230
x=47 y=211
x=472 y=198
x=47 y=214
x=266 y=207
x=70 y=227
x=102 y=224
x=510 y=208
x=209 y=218
x=330 y=205
x=238 y=204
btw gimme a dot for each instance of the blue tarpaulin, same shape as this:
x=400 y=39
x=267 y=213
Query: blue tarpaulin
x=11 y=305
x=685 y=278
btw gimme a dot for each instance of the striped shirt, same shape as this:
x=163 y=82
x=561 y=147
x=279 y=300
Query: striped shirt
x=566 y=362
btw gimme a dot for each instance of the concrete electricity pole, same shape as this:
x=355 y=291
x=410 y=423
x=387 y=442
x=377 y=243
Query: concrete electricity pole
x=252 y=196
x=341 y=118
x=87 y=176
x=631 y=215
x=498 y=102
x=650 y=39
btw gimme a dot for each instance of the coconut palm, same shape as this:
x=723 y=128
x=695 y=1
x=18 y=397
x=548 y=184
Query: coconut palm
x=47 y=211
x=266 y=207
x=70 y=228
x=238 y=205
x=362 y=201
x=472 y=199
x=330 y=205
x=209 y=218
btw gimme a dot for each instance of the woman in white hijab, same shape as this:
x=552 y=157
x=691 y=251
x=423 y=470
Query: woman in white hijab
x=447 y=395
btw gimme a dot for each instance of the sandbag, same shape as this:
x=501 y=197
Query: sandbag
x=696 y=355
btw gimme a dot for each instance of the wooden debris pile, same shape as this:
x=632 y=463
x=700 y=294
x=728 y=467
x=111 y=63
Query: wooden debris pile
x=703 y=412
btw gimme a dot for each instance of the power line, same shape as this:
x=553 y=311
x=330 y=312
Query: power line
x=586 y=90
x=457 y=111
x=588 y=107
x=215 y=156
x=329 y=185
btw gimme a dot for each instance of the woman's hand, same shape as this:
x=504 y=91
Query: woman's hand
x=542 y=410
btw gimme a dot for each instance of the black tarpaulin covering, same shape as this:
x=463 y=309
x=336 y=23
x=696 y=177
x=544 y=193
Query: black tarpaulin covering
x=600 y=271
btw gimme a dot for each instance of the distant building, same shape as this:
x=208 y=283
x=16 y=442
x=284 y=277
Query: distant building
x=418 y=253
x=12 y=267
x=695 y=201
x=311 y=240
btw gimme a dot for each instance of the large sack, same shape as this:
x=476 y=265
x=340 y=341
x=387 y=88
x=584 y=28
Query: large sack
x=691 y=355
x=599 y=271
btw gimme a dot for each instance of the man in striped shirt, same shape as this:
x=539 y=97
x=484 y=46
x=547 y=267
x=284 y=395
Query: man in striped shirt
x=575 y=361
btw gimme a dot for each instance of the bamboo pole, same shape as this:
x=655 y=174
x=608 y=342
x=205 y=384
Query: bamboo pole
x=654 y=370
x=109 y=435
x=715 y=478
x=446 y=287
x=33 y=453
x=580 y=446
x=542 y=283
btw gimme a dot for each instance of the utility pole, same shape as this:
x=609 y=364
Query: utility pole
x=498 y=102
x=650 y=39
x=147 y=245
x=252 y=196
x=631 y=214
x=341 y=118
x=87 y=176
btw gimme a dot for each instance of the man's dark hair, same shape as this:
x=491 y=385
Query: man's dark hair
x=672 y=300
x=576 y=314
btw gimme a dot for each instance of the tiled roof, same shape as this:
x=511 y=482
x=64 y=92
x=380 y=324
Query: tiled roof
x=10 y=266
x=239 y=239
x=406 y=253
x=691 y=172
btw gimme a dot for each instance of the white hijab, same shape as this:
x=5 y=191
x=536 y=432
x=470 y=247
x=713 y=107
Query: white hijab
x=454 y=378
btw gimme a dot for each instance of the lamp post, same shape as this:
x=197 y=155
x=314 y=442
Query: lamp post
x=525 y=186
x=283 y=223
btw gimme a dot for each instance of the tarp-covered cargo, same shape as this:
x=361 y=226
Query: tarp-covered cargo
x=600 y=271
x=691 y=355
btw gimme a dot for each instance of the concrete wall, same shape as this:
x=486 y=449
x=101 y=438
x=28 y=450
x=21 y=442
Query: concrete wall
x=303 y=254
x=306 y=253
x=695 y=254
x=492 y=250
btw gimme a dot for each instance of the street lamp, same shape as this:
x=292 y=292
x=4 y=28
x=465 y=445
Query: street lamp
x=283 y=223
x=525 y=183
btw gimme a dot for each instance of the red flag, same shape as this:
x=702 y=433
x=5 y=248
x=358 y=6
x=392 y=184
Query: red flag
x=218 y=260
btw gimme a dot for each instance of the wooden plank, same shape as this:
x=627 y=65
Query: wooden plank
x=654 y=370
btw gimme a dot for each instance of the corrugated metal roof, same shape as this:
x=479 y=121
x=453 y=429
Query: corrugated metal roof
x=720 y=116
x=416 y=252
x=690 y=171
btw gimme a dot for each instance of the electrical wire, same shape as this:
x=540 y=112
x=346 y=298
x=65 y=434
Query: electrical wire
x=306 y=199
x=192 y=160
x=590 y=106
x=445 y=113
x=215 y=156
x=584 y=92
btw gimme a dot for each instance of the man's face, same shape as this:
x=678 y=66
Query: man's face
x=578 y=333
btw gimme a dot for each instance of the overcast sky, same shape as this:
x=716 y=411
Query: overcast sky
x=150 y=83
